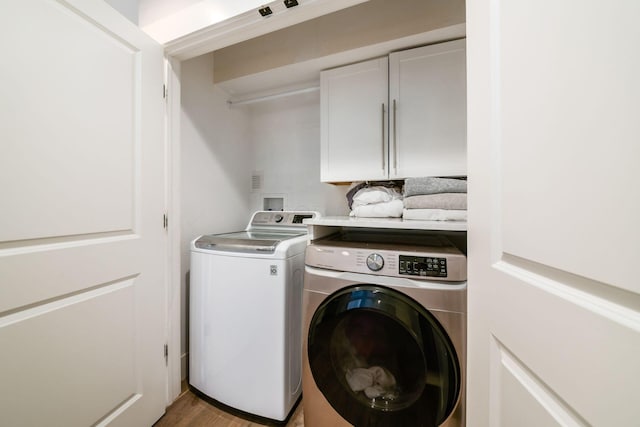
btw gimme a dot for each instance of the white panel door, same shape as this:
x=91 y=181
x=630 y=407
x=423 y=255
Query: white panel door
x=353 y=128
x=427 y=107
x=554 y=237
x=82 y=247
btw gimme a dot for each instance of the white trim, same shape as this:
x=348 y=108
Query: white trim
x=23 y=313
x=244 y=27
x=113 y=416
x=172 y=123
x=184 y=364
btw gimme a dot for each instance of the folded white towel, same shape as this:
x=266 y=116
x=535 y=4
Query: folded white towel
x=435 y=214
x=437 y=201
x=392 y=209
x=371 y=195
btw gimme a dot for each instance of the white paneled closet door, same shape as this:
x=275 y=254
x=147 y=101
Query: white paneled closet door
x=82 y=246
x=554 y=236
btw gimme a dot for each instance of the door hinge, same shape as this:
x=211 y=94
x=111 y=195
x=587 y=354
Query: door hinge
x=166 y=354
x=165 y=221
x=164 y=91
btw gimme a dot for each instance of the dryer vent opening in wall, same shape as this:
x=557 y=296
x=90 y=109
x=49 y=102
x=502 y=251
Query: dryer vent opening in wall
x=273 y=203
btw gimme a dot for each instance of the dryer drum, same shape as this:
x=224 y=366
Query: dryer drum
x=381 y=359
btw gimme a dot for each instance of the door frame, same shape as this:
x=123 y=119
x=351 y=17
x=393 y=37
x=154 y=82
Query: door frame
x=175 y=360
x=181 y=49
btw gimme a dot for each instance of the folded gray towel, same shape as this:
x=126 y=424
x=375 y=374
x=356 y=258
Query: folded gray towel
x=437 y=201
x=432 y=185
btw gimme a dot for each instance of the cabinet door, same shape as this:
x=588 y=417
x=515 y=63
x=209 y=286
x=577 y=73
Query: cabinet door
x=353 y=103
x=427 y=95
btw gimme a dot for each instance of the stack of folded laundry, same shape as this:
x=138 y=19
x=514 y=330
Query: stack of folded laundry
x=439 y=199
x=375 y=200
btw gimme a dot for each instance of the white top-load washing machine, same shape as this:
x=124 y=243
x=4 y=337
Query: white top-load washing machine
x=245 y=304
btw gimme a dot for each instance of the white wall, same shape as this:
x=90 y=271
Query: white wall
x=220 y=149
x=155 y=10
x=215 y=165
x=285 y=143
x=128 y=8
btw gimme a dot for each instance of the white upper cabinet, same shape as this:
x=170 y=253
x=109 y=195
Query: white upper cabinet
x=427 y=98
x=353 y=113
x=395 y=117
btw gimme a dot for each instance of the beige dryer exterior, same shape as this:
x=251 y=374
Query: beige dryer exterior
x=445 y=302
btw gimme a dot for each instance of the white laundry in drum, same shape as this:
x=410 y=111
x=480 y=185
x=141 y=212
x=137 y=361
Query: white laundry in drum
x=375 y=381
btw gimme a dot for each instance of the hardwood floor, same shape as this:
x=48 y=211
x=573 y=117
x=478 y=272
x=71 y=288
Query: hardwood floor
x=191 y=411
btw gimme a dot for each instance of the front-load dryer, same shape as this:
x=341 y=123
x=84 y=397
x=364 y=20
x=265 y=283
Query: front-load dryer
x=384 y=331
x=245 y=308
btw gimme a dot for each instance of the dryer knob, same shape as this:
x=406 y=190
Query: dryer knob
x=279 y=218
x=375 y=262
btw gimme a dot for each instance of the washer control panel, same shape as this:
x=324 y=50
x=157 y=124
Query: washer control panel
x=280 y=219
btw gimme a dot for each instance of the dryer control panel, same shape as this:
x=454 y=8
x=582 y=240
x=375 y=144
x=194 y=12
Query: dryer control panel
x=433 y=258
x=423 y=266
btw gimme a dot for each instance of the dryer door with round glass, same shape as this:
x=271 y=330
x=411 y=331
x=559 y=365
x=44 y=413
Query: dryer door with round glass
x=381 y=359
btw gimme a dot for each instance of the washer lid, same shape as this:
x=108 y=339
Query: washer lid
x=245 y=241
